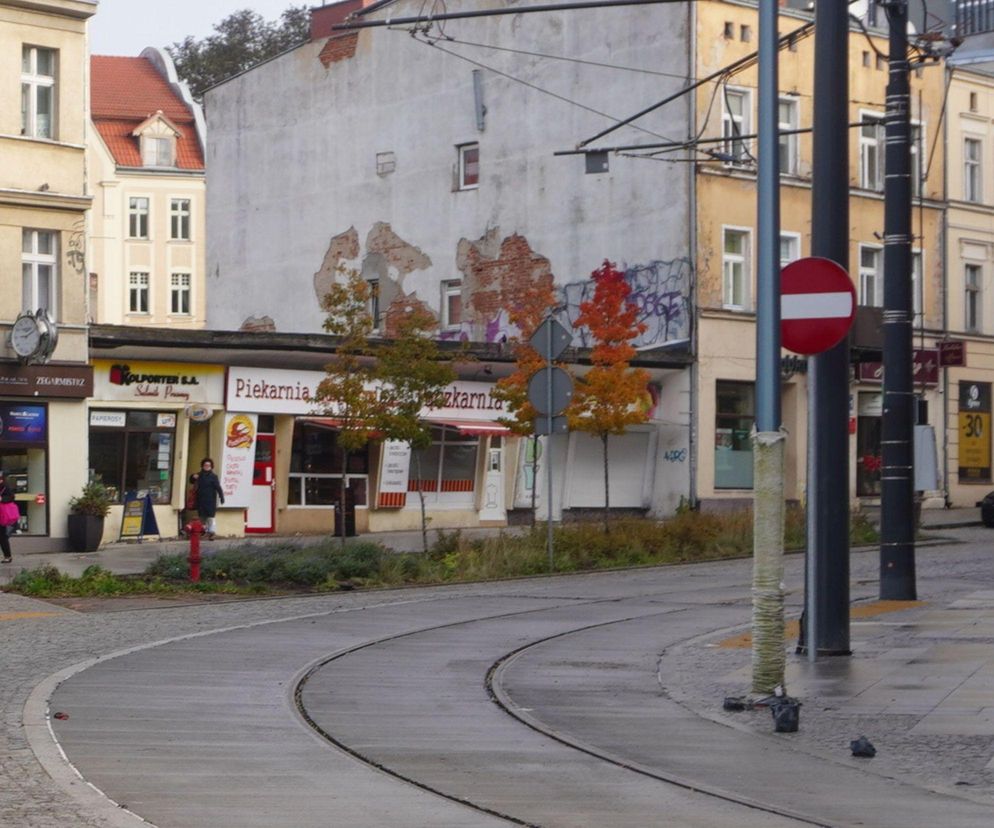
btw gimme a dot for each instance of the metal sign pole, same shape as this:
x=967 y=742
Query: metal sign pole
x=548 y=459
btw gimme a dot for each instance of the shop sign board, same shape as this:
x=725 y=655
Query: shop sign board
x=108 y=419
x=139 y=516
x=952 y=353
x=974 y=432
x=62 y=381
x=395 y=465
x=282 y=391
x=925 y=364
x=23 y=423
x=161 y=383
x=238 y=459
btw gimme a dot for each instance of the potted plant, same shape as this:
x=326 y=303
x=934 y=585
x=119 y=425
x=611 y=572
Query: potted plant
x=86 y=517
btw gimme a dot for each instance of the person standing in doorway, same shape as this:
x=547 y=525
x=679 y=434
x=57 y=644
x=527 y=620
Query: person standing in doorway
x=7 y=524
x=208 y=493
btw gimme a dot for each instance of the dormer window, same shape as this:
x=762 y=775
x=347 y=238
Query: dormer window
x=157 y=137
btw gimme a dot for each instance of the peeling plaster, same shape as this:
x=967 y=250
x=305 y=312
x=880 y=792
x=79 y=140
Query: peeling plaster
x=401 y=254
x=258 y=324
x=343 y=246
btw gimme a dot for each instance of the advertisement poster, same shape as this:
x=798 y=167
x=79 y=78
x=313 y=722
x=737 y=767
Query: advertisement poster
x=974 y=432
x=238 y=459
x=394 y=470
x=22 y=424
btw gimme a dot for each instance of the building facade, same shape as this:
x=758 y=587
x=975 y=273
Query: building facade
x=430 y=168
x=146 y=162
x=44 y=377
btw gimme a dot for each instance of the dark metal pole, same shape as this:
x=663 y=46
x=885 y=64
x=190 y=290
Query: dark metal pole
x=897 y=531
x=827 y=614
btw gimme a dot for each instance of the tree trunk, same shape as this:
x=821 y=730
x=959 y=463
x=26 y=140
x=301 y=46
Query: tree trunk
x=421 y=497
x=341 y=501
x=534 y=475
x=607 y=496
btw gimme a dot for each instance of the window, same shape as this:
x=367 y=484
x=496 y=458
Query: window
x=179 y=219
x=373 y=303
x=179 y=294
x=871 y=153
x=39 y=277
x=866 y=60
x=452 y=303
x=745 y=33
x=870 y=275
x=972 y=300
x=881 y=63
x=734 y=417
x=972 y=182
x=734 y=124
x=788 y=143
x=735 y=269
x=973 y=101
x=316 y=467
x=38 y=92
x=157 y=151
x=136 y=456
x=917 y=148
x=138 y=218
x=447 y=465
x=790 y=248
x=729 y=30
x=917 y=285
x=137 y=292
x=469 y=166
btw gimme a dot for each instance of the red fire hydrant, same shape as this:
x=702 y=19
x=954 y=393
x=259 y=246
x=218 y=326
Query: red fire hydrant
x=194 y=529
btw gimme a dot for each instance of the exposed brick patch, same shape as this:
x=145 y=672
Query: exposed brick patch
x=344 y=246
x=339 y=47
x=400 y=306
x=258 y=324
x=401 y=254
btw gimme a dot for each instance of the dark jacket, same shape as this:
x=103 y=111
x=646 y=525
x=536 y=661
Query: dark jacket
x=208 y=492
x=6 y=495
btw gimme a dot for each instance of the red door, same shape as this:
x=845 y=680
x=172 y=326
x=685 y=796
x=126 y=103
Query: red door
x=259 y=517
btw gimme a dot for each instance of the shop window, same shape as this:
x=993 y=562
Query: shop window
x=23 y=457
x=447 y=465
x=316 y=468
x=734 y=418
x=133 y=452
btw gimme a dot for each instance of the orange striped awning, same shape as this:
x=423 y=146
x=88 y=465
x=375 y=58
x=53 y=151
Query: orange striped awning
x=481 y=428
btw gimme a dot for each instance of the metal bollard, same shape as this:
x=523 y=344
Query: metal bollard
x=194 y=529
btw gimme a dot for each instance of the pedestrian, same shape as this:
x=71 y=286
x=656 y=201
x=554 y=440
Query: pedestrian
x=209 y=491
x=9 y=515
x=189 y=504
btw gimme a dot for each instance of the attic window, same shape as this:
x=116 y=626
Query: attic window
x=158 y=151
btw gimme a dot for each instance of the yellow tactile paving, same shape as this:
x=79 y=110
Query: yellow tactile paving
x=15 y=616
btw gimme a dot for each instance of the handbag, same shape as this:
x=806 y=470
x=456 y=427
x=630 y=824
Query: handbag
x=9 y=514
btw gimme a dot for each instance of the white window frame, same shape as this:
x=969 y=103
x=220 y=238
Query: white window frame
x=788 y=144
x=32 y=82
x=451 y=288
x=973 y=297
x=795 y=243
x=876 y=274
x=917 y=170
x=180 y=285
x=733 y=125
x=139 y=293
x=442 y=436
x=180 y=218
x=729 y=261
x=869 y=180
x=32 y=261
x=461 y=152
x=973 y=170
x=150 y=148
x=917 y=283
x=139 y=216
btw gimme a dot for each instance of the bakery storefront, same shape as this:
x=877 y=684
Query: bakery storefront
x=149 y=424
x=42 y=425
x=289 y=477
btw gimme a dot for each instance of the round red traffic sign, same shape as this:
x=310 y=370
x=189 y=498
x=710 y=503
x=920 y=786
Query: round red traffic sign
x=817 y=305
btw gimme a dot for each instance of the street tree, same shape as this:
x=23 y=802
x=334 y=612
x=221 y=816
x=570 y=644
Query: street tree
x=347 y=392
x=609 y=397
x=526 y=314
x=240 y=41
x=413 y=374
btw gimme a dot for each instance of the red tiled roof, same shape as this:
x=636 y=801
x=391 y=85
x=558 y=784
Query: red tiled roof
x=124 y=92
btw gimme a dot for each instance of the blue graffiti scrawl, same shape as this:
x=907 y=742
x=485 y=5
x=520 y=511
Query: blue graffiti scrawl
x=661 y=292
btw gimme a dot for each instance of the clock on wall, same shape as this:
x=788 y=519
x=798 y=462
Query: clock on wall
x=34 y=336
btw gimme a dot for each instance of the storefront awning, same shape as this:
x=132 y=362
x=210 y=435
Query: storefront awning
x=324 y=422
x=479 y=428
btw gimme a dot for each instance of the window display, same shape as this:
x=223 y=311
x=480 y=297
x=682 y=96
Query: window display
x=133 y=452
x=23 y=457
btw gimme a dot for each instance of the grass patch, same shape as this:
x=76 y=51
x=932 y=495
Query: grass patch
x=282 y=567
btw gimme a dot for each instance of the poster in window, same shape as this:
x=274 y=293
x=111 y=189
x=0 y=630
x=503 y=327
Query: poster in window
x=23 y=424
x=395 y=465
x=975 y=432
x=238 y=459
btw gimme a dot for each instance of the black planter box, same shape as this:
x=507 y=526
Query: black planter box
x=85 y=532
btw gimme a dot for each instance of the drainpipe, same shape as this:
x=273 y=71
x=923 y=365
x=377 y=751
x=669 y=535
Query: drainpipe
x=692 y=249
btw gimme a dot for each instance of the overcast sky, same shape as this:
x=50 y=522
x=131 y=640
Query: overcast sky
x=125 y=27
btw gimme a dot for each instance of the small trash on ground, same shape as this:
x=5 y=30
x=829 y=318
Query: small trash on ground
x=735 y=703
x=786 y=714
x=61 y=715
x=863 y=747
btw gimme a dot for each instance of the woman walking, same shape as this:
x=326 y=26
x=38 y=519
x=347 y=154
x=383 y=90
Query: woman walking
x=209 y=491
x=9 y=514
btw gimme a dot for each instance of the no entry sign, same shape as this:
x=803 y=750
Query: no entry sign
x=817 y=305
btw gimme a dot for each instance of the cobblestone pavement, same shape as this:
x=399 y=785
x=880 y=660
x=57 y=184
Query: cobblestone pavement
x=41 y=639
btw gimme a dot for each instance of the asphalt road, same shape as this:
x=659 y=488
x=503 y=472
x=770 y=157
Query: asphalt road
x=534 y=702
